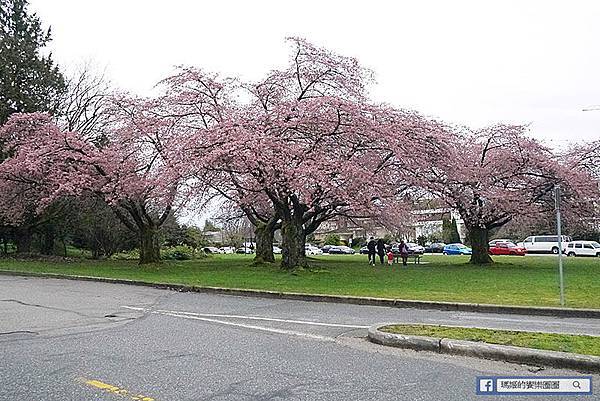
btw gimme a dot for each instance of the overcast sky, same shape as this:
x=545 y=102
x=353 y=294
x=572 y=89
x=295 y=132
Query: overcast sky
x=468 y=62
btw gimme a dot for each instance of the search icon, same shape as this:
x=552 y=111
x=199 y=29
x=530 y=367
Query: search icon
x=576 y=384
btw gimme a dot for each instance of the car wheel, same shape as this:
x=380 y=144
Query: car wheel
x=555 y=250
x=444 y=253
x=571 y=254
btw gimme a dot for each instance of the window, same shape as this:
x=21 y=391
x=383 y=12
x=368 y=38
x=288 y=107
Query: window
x=578 y=246
x=528 y=239
x=595 y=244
x=570 y=245
x=588 y=246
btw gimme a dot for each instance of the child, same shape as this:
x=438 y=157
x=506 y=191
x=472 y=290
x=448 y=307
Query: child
x=390 y=256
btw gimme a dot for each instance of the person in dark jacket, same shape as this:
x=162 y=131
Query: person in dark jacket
x=380 y=249
x=371 y=247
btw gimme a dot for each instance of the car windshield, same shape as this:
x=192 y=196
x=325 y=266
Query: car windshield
x=461 y=246
x=595 y=244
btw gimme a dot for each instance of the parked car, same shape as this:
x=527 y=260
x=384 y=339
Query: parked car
x=276 y=250
x=436 y=247
x=326 y=248
x=583 y=248
x=341 y=250
x=364 y=250
x=507 y=248
x=545 y=243
x=227 y=249
x=495 y=241
x=456 y=249
x=211 y=249
x=312 y=250
x=414 y=249
x=245 y=250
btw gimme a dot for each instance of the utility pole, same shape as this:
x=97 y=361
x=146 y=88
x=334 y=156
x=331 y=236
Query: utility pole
x=560 y=251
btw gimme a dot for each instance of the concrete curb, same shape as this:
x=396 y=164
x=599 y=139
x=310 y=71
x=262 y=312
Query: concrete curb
x=527 y=356
x=344 y=299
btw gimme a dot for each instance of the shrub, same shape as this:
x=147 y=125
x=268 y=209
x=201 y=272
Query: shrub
x=332 y=239
x=134 y=254
x=180 y=252
x=357 y=242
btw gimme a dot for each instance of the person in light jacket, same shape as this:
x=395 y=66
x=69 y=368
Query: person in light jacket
x=403 y=250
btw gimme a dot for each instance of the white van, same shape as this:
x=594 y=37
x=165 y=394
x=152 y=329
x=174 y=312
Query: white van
x=583 y=248
x=545 y=243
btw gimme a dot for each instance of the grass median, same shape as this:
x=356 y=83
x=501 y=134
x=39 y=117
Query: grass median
x=530 y=280
x=577 y=344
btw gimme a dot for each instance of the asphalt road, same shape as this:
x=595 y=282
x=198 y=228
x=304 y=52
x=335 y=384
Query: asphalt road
x=70 y=340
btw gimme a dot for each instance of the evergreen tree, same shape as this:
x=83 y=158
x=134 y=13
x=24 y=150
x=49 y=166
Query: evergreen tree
x=29 y=81
x=454 y=231
x=450 y=233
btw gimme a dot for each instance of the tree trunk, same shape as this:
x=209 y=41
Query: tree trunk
x=48 y=239
x=23 y=239
x=479 y=244
x=293 y=253
x=149 y=246
x=264 y=243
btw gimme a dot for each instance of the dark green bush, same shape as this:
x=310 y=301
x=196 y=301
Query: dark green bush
x=180 y=252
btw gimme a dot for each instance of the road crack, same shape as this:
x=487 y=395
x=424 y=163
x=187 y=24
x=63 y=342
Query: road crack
x=45 y=307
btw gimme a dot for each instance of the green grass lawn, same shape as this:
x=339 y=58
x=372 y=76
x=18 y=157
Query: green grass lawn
x=530 y=280
x=578 y=344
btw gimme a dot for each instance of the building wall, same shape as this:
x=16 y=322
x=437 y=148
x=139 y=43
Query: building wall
x=429 y=221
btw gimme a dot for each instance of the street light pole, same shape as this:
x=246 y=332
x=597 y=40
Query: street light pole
x=560 y=251
x=591 y=108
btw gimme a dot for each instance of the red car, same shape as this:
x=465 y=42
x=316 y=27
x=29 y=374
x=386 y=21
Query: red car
x=507 y=248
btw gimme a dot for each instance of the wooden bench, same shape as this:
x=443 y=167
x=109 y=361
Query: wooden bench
x=416 y=257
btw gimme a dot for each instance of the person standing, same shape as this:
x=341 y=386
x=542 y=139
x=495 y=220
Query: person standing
x=403 y=250
x=371 y=248
x=381 y=249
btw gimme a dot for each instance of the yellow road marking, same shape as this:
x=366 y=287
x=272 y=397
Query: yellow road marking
x=116 y=390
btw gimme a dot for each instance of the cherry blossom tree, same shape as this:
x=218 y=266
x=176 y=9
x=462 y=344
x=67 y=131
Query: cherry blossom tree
x=34 y=174
x=491 y=176
x=306 y=147
x=586 y=157
x=582 y=170
x=138 y=171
